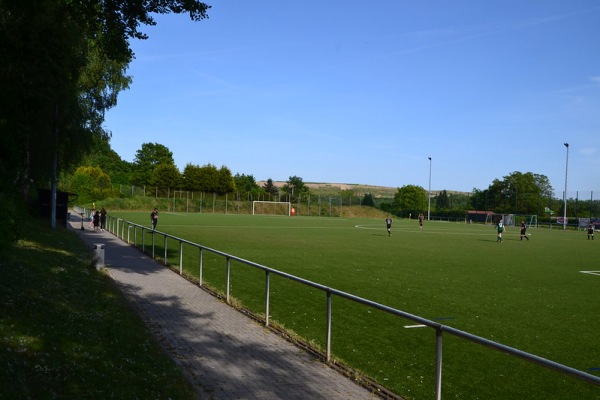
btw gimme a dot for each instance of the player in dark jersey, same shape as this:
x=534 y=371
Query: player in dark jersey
x=523 y=230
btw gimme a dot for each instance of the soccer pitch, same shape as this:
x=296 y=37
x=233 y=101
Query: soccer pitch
x=540 y=296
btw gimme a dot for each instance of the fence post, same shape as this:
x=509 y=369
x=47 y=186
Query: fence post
x=328 y=338
x=166 y=254
x=267 y=296
x=438 y=364
x=228 y=270
x=200 y=268
x=180 y=257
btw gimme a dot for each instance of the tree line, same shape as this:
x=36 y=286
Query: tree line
x=63 y=64
x=154 y=167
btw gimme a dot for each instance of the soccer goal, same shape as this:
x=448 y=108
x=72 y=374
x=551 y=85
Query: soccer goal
x=271 y=207
x=515 y=220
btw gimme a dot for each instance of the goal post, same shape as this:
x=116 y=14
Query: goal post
x=515 y=220
x=260 y=207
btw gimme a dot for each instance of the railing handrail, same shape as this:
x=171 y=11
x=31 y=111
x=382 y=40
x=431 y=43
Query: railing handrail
x=420 y=320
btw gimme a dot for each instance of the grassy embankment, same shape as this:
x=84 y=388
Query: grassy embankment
x=67 y=332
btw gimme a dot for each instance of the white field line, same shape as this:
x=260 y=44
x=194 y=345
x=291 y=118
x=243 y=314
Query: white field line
x=425 y=230
x=591 y=272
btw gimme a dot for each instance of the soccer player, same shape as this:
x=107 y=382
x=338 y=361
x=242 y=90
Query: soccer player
x=523 y=229
x=421 y=218
x=500 y=229
x=591 y=231
x=388 y=224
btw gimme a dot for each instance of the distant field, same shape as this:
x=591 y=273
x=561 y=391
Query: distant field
x=531 y=295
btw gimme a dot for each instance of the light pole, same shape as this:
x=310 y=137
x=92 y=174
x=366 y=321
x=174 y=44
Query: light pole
x=565 y=193
x=429 y=193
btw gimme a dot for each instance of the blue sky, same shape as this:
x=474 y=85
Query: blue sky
x=364 y=92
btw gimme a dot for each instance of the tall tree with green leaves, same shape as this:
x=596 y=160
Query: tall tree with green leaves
x=62 y=66
x=192 y=177
x=209 y=178
x=295 y=187
x=412 y=198
x=150 y=156
x=521 y=193
x=246 y=185
x=441 y=200
x=226 y=183
x=166 y=177
x=270 y=188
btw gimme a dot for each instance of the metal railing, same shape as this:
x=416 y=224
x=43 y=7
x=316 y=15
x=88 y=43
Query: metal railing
x=122 y=229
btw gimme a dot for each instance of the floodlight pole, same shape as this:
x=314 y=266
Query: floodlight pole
x=429 y=193
x=565 y=193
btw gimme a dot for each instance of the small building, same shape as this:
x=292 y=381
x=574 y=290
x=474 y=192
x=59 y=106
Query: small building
x=62 y=205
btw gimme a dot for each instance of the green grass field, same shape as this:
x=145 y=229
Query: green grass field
x=530 y=295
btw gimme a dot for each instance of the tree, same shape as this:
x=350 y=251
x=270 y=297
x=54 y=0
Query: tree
x=441 y=200
x=63 y=64
x=166 y=176
x=520 y=193
x=147 y=159
x=270 y=188
x=103 y=156
x=368 y=200
x=209 y=178
x=294 y=187
x=225 y=181
x=91 y=184
x=246 y=185
x=192 y=177
x=411 y=198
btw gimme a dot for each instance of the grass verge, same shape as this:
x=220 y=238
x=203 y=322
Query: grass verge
x=67 y=332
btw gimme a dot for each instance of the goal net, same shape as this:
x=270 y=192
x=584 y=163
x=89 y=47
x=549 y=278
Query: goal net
x=515 y=220
x=271 y=207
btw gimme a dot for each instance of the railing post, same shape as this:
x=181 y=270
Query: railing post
x=438 y=364
x=180 y=257
x=129 y=233
x=328 y=338
x=267 y=295
x=166 y=254
x=153 y=238
x=227 y=279
x=200 y=268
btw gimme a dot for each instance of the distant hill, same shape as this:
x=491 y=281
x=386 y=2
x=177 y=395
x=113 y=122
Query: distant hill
x=321 y=188
x=335 y=188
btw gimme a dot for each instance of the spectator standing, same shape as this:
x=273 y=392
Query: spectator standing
x=102 y=219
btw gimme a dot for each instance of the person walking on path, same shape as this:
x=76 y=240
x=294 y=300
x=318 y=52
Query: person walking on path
x=523 y=230
x=96 y=221
x=92 y=213
x=388 y=224
x=500 y=228
x=154 y=218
